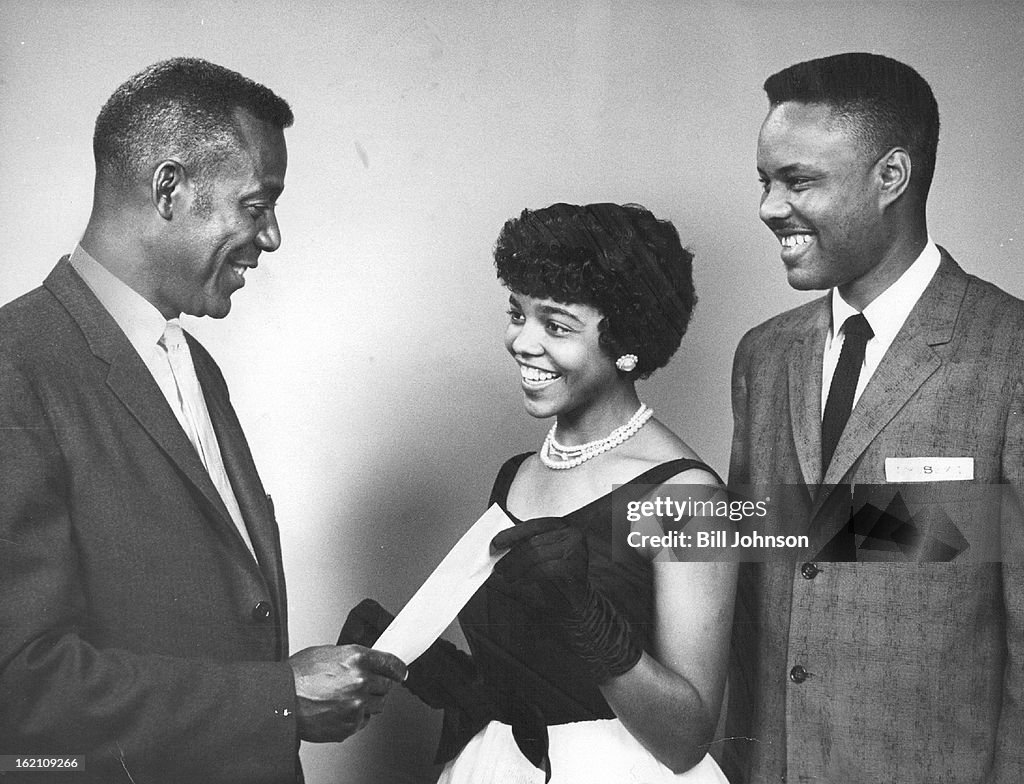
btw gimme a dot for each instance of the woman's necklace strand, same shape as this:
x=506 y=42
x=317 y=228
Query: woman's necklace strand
x=558 y=457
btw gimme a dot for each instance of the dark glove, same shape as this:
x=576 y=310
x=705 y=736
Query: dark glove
x=366 y=622
x=442 y=677
x=548 y=563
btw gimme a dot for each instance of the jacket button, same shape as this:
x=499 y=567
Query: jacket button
x=798 y=674
x=262 y=611
x=809 y=570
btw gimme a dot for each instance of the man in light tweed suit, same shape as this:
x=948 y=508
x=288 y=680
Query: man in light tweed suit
x=892 y=650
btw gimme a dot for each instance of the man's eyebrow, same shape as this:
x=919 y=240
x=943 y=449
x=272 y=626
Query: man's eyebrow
x=794 y=168
x=270 y=190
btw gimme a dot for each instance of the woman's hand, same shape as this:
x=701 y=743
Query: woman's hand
x=547 y=562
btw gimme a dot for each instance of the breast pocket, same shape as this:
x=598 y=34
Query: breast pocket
x=954 y=520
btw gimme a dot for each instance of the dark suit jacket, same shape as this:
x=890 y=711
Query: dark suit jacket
x=912 y=671
x=135 y=626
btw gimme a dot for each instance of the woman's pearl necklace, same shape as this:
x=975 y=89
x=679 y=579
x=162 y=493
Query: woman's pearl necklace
x=554 y=455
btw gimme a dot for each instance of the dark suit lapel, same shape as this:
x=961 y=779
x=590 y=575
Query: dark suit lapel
x=234 y=449
x=804 y=360
x=909 y=362
x=130 y=380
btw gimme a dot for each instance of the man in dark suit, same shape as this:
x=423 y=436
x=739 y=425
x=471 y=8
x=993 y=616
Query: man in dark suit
x=143 y=622
x=893 y=648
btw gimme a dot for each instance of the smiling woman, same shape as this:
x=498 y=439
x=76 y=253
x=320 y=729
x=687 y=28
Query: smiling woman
x=589 y=668
x=560 y=357
x=600 y=296
x=620 y=260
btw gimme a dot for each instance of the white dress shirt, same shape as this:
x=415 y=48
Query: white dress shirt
x=886 y=314
x=144 y=325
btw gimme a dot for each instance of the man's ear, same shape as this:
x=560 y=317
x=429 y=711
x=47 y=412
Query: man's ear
x=167 y=187
x=893 y=175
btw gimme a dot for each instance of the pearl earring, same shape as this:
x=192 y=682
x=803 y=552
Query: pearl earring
x=627 y=363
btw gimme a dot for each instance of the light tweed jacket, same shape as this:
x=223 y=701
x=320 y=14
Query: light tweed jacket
x=889 y=669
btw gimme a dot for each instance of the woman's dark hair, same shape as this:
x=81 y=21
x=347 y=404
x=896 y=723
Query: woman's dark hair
x=619 y=259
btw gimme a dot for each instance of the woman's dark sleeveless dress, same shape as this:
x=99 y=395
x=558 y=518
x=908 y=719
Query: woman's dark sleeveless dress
x=533 y=678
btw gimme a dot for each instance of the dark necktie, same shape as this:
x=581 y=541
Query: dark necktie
x=844 y=385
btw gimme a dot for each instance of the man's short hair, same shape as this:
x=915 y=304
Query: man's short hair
x=183 y=107
x=882 y=102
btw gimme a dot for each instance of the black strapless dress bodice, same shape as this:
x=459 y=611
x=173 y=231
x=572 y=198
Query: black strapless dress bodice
x=533 y=677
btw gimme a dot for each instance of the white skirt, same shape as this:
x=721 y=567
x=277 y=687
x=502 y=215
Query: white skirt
x=586 y=752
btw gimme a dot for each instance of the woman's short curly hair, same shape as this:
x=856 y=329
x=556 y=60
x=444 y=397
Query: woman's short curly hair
x=619 y=259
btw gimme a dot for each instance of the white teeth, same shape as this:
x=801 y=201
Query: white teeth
x=536 y=375
x=240 y=269
x=793 y=240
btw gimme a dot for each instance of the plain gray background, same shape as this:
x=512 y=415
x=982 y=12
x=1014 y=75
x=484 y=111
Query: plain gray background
x=365 y=356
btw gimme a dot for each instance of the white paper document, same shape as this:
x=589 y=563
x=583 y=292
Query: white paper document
x=434 y=606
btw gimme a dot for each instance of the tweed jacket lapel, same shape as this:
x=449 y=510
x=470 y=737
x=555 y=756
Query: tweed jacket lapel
x=132 y=383
x=804 y=360
x=909 y=362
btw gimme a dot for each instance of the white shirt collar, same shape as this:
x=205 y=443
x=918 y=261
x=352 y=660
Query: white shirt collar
x=137 y=317
x=889 y=310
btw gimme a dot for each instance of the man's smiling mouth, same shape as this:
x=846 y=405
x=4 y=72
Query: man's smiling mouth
x=794 y=240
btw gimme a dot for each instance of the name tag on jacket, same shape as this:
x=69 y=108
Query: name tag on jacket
x=928 y=469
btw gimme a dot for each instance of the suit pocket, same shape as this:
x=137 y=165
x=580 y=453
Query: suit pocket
x=933 y=521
